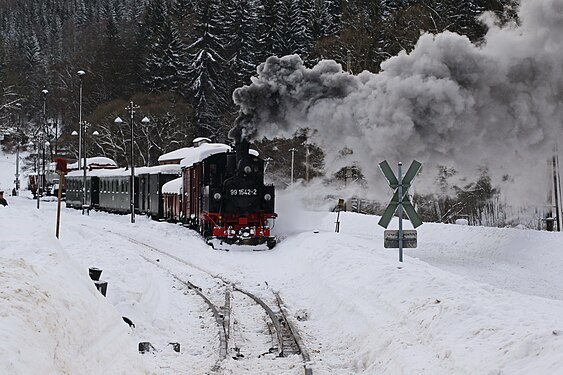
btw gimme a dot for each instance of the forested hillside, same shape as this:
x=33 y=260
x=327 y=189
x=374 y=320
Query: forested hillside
x=180 y=60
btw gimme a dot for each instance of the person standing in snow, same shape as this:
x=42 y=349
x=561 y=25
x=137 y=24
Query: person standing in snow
x=2 y=200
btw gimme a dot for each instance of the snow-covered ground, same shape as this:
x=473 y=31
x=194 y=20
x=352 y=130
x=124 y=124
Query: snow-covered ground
x=468 y=300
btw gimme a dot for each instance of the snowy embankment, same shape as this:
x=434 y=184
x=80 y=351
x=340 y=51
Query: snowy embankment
x=468 y=300
x=53 y=319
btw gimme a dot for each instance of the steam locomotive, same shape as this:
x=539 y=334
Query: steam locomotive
x=210 y=187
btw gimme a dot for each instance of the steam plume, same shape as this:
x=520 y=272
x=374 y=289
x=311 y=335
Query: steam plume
x=447 y=102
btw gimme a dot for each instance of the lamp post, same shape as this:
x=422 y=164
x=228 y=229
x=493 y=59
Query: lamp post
x=84 y=163
x=40 y=147
x=307 y=153
x=131 y=108
x=146 y=122
x=18 y=142
x=84 y=166
x=81 y=74
x=293 y=149
x=267 y=160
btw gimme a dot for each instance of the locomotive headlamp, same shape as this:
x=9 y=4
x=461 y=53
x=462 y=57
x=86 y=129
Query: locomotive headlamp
x=217 y=196
x=267 y=197
x=247 y=169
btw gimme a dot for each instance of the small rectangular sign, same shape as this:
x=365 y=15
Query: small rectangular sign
x=391 y=239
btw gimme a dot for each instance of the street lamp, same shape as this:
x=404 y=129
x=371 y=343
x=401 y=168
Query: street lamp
x=146 y=121
x=81 y=74
x=267 y=160
x=41 y=176
x=131 y=108
x=84 y=165
x=95 y=133
x=293 y=149
x=307 y=154
x=18 y=142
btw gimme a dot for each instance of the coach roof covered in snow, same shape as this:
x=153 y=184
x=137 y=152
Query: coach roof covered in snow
x=181 y=153
x=162 y=169
x=99 y=160
x=196 y=154
x=173 y=187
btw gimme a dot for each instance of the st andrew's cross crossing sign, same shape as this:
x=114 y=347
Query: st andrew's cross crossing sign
x=404 y=200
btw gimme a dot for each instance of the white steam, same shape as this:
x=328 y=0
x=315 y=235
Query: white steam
x=447 y=102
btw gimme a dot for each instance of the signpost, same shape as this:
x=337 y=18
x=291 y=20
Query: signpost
x=339 y=208
x=61 y=170
x=400 y=202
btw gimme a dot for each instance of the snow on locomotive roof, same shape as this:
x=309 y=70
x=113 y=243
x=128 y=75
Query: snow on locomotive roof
x=173 y=187
x=196 y=154
x=98 y=160
x=162 y=169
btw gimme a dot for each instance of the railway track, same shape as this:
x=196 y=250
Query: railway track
x=250 y=329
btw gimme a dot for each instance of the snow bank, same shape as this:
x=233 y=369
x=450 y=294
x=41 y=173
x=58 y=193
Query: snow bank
x=53 y=320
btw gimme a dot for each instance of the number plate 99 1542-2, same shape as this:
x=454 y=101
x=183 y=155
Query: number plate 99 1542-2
x=243 y=192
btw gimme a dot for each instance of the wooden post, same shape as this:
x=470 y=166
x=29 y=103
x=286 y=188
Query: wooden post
x=60 y=194
x=61 y=170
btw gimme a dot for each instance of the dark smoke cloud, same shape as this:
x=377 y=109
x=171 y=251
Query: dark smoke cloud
x=446 y=102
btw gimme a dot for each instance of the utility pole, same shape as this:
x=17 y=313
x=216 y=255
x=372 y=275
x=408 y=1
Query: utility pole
x=293 y=149
x=131 y=108
x=41 y=146
x=18 y=143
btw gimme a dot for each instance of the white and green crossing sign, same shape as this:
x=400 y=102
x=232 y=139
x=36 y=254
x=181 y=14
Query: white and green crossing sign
x=400 y=202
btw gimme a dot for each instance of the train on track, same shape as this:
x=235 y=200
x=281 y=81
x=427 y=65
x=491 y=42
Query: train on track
x=210 y=187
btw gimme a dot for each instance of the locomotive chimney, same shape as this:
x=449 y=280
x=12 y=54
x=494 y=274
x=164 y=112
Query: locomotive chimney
x=242 y=146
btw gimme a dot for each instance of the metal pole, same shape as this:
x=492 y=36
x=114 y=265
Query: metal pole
x=17 y=167
x=132 y=192
x=37 y=171
x=307 y=163
x=56 y=138
x=292 y=162
x=80 y=125
x=17 y=181
x=84 y=168
x=400 y=208
x=80 y=140
x=40 y=147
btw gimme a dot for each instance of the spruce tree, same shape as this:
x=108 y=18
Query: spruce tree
x=206 y=78
x=165 y=65
x=241 y=40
